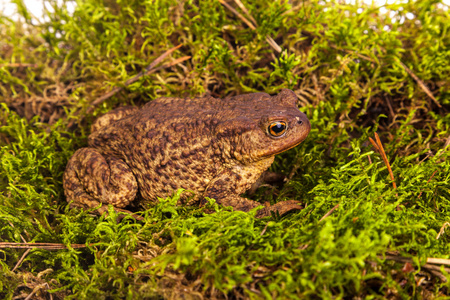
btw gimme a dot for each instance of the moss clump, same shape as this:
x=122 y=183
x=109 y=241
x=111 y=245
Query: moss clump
x=357 y=70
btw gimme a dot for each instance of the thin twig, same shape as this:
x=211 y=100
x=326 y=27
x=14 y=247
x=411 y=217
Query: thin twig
x=303 y=247
x=430 y=265
x=150 y=69
x=240 y=16
x=134 y=79
x=21 y=259
x=264 y=230
x=374 y=144
x=147 y=71
x=252 y=26
x=274 y=44
x=24 y=254
x=391 y=109
x=447 y=143
x=353 y=53
x=18 y=65
x=46 y=246
x=329 y=212
x=432 y=175
x=386 y=161
x=420 y=83
x=408 y=70
x=439 y=275
x=36 y=289
x=430 y=260
x=245 y=10
x=23 y=239
x=379 y=147
x=438 y=261
x=441 y=232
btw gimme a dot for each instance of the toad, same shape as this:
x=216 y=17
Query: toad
x=215 y=148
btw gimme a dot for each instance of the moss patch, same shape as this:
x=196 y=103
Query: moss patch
x=356 y=70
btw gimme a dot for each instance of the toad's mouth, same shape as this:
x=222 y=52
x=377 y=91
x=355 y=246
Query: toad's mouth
x=275 y=151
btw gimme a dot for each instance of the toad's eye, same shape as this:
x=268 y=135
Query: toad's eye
x=277 y=129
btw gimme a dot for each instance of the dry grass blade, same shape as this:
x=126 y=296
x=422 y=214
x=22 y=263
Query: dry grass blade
x=21 y=259
x=21 y=237
x=438 y=261
x=36 y=290
x=439 y=275
x=135 y=78
x=432 y=175
x=171 y=64
x=353 y=53
x=420 y=83
x=245 y=10
x=150 y=69
x=24 y=254
x=447 y=143
x=18 y=65
x=329 y=212
x=264 y=230
x=252 y=26
x=430 y=265
x=408 y=70
x=274 y=44
x=249 y=24
x=303 y=247
x=441 y=232
x=379 y=147
x=374 y=144
x=46 y=246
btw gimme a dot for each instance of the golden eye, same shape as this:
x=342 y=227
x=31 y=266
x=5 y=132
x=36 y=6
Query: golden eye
x=277 y=128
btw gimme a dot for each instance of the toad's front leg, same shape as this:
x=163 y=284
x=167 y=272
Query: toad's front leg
x=227 y=187
x=91 y=178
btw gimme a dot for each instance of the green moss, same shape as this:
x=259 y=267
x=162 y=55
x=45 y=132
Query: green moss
x=344 y=62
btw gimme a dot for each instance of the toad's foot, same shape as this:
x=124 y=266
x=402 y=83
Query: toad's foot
x=281 y=208
x=244 y=204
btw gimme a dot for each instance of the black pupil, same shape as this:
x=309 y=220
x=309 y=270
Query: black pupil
x=278 y=127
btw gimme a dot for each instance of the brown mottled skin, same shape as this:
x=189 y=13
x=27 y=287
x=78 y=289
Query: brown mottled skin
x=216 y=148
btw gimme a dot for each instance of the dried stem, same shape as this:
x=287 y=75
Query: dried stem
x=329 y=212
x=303 y=247
x=21 y=237
x=432 y=175
x=46 y=246
x=408 y=70
x=21 y=259
x=36 y=289
x=150 y=69
x=245 y=10
x=441 y=232
x=430 y=265
x=379 y=147
x=230 y=8
x=253 y=25
x=18 y=65
x=420 y=83
x=447 y=143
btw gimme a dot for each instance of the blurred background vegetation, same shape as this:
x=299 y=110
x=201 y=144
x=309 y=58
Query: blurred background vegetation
x=357 y=69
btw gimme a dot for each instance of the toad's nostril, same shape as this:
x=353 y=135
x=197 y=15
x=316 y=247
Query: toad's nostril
x=299 y=121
